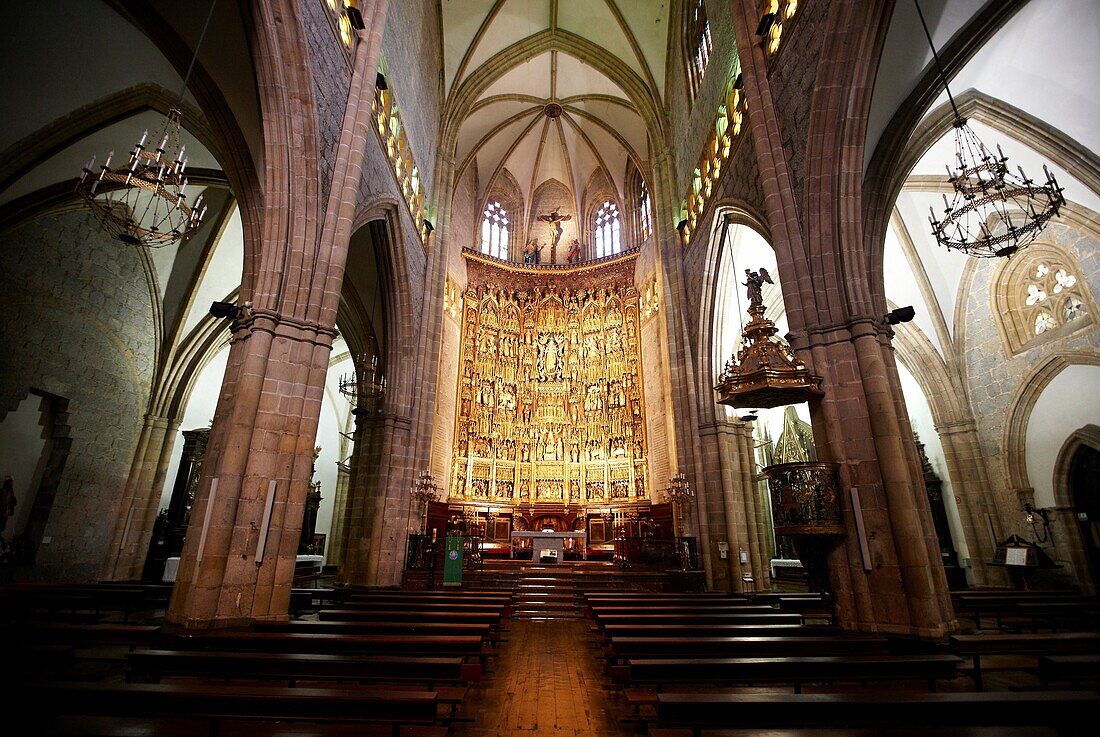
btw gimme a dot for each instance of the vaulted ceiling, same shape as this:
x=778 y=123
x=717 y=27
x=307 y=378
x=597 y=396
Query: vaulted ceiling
x=554 y=89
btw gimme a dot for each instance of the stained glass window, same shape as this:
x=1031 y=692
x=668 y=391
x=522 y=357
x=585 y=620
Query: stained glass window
x=494 y=231
x=699 y=45
x=1037 y=294
x=608 y=230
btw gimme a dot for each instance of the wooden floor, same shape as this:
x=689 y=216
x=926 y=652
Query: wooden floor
x=546 y=683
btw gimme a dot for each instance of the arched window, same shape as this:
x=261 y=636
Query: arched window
x=1040 y=296
x=494 y=230
x=608 y=229
x=341 y=11
x=697 y=44
x=641 y=209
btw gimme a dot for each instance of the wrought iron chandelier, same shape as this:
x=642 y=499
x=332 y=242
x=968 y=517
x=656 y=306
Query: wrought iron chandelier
x=366 y=384
x=993 y=212
x=144 y=203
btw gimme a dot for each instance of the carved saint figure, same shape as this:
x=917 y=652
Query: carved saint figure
x=574 y=254
x=754 y=280
x=549 y=362
x=532 y=251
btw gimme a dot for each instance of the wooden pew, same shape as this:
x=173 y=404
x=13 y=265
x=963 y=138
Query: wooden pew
x=220 y=704
x=716 y=630
x=626 y=648
x=46 y=605
x=1071 y=713
x=794 y=670
x=84 y=602
x=611 y=594
x=502 y=600
x=455 y=603
x=777 y=618
x=382 y=628
x=1023 y=644
x=420 y=606
x=1056 y=615
x=1000 y=605
x=294 y=642
x=389 y=615
x=152 y=665
x=1072 y=668
x=662 y=608
x=106 y=633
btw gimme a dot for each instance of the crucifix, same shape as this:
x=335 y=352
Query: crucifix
x=555 y=220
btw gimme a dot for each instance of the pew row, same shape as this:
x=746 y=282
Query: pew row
x=1069 y=713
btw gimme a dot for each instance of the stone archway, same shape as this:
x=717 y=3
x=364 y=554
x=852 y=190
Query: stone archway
x=1079 y=461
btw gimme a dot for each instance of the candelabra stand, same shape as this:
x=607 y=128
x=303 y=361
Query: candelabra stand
x=425 y=491
x=678 y=492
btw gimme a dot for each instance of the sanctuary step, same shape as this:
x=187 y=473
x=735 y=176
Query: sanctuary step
x=554 y=591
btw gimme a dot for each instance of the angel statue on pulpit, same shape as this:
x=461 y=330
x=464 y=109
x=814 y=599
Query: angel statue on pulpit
x=755 y=280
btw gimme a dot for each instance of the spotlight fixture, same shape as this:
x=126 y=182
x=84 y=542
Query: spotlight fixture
x=144 y=202
x=765 y=25
x=993 y=213
x=355 y=17
x=901 y=314
x=681 y=225
x=428 y=225
x=739 y=82
x=750 y=417
x=225 y=310
x=380 y=82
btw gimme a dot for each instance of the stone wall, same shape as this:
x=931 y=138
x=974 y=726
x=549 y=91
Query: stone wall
x=654 y=386
x=79 y=324
x=331 y=69
x=412 y=48
x=994 y=378
x=740 y=182
x=792 y=82
x=692 y=120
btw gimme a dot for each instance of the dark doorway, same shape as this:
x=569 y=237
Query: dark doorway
x=1084 y=494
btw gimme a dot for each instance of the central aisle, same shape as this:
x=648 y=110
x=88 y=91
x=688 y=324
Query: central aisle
x=546 y=683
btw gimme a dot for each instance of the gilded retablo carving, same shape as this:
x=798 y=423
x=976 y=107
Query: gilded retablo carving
x=550 y=399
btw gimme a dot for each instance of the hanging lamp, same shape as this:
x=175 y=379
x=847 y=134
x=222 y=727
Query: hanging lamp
x=145 y=202
x=365 y=387
x=993 y=212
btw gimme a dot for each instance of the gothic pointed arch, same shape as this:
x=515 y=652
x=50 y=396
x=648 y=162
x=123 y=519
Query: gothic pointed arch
x=1030 y=388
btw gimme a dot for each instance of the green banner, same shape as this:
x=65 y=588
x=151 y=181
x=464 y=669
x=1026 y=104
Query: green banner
x=452 y=562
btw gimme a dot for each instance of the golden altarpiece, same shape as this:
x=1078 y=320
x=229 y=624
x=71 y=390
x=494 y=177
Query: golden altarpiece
x=550 y=410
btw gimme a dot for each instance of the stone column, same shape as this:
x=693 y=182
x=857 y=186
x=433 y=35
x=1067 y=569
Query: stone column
x=238 y=561
x=336 y=540
x=380 y=506
x=715 y=493
x=733 y=516
x=836 y=324
x=970 y=483
x=140 y=500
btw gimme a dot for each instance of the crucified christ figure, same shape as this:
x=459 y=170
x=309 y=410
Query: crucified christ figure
x=555 y=219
